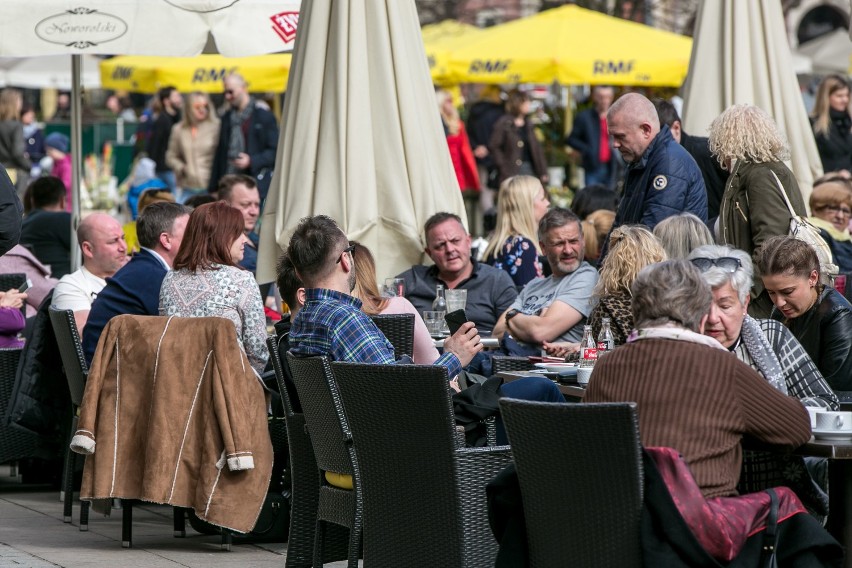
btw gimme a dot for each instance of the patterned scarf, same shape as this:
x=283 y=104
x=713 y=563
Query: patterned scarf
x=762 y=353
x=672 y=331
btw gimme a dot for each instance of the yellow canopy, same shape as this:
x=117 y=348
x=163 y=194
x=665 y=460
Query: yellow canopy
x=572 y=45
x=440 y=40
x=146 y=74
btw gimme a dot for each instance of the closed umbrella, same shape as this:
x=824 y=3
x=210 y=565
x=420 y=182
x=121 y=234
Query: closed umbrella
x=573 y=45
x=147 y=73
x=361 y=139
x=741 y=55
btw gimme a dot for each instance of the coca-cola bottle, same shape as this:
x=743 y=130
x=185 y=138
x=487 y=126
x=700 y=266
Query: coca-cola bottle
x=588 y=355
x=606 y=341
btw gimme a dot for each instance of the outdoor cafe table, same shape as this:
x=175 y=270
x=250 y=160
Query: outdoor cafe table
x=839 y=454
x=487 y=342
x=574 y=392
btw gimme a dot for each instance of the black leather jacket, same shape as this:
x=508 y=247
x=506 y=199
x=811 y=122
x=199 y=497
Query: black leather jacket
x=825 y=331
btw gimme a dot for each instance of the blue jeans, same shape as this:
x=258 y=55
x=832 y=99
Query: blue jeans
x=168 y=178
x=539 y=389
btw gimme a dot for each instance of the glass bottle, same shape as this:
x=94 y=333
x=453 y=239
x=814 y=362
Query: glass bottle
x=588 y=348
x=439 y=304
x=606 y=341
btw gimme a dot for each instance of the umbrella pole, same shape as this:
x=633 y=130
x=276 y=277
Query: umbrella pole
x=76 y=156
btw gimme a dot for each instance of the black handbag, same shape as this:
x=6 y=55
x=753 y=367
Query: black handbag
x=770 y=534
x=273 y=523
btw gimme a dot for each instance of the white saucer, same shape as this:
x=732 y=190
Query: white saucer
x=832 y=434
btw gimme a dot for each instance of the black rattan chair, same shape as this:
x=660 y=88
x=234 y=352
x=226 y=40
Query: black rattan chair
x=15 y=444
x=424 y=498
x=502 y=363
x=331 y=442
x=304 y=479
x=399 y=330
x=580 y=472
x=76 y=370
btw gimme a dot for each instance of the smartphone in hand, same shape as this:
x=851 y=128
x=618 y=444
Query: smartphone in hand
x=455 y=320
x=25 y=286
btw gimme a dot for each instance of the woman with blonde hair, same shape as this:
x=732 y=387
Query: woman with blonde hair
x=832 y=124
x=372 y=303
x=748 y=144
x=464 y=163
x=12 y=147
x=831 y=208
x=513 y=247
x=192 y=146
x=680 y=234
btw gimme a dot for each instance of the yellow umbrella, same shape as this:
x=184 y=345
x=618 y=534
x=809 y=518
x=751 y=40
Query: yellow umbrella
x=440 y=40
x=572 y=45
x=146 y=74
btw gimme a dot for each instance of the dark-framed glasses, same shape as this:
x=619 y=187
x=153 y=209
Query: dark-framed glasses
x=726 y=263
x=348 y=249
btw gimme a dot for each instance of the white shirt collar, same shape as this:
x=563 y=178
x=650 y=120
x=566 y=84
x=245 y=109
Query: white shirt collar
x=158 y=257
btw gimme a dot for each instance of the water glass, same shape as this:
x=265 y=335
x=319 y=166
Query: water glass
x=434 y=322
x=456 y=299
x=394 y=287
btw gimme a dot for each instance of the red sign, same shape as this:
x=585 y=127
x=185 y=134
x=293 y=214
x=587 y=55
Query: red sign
x=285 y=24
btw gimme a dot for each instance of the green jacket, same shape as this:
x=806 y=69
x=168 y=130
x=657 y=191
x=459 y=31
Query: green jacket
x=753 y=210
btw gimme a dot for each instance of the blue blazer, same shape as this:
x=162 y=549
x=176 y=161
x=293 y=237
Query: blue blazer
x=135 y=289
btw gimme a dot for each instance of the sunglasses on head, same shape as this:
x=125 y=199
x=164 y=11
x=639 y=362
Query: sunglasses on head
x=726 y=263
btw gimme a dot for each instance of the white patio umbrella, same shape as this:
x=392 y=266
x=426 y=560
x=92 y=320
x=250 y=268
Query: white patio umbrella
x=48 y=72
x=740 y=54
x=139 y=27
x=828 y=53
x=362 y=141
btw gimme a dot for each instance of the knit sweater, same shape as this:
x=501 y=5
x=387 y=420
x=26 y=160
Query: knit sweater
x=701 y=402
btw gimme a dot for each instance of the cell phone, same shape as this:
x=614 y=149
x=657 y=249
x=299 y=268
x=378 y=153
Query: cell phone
x=25 y=286
x=455 y=320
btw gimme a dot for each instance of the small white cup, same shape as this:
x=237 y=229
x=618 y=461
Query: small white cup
x=812 y=412
x=834 y=421
x=584 y=374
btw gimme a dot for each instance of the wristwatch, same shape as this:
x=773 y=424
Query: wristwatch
x=510 y=314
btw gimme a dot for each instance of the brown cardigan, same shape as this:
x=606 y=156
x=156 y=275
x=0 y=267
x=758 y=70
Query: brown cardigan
x=507 y=154
x=700 y=401
x=177 y=416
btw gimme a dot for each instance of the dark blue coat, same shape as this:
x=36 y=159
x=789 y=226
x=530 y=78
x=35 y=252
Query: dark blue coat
x=135 y=289
x=664 y=182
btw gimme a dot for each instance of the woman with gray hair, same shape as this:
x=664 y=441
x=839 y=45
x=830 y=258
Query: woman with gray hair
x=680 y=234
x=773 y=351
x=748 y=144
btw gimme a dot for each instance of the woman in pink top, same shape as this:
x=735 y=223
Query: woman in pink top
x=372 y=303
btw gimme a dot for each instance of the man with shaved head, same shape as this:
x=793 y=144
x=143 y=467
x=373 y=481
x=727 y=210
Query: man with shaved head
x=104 y=251
x=662 y=179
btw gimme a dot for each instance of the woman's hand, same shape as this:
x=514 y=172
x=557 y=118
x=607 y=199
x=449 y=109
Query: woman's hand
x=12 y=299
x=560 y=348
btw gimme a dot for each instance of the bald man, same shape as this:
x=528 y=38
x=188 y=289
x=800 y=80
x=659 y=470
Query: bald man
x=248 y=137
x=104 y=251
x=662 y=179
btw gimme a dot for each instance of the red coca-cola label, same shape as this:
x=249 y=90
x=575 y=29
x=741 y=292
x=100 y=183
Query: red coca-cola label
x=589 y=353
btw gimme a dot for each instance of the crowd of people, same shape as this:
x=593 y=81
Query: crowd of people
x=725 y=325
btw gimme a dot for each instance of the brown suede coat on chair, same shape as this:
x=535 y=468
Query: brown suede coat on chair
x=177 y=416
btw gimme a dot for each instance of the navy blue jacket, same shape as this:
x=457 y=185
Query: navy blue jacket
x=585 y=137
x=664 y=182
x=135 y=290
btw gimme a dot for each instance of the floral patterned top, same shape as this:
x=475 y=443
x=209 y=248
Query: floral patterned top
x=223 y=291
x=519 y=259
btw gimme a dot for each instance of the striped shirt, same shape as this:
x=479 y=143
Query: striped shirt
x=332 y=324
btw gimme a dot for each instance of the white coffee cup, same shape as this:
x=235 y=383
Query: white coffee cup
x=583 y=375
x=839 y=421
x=812 y=412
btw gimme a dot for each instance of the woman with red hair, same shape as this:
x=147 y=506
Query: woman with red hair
x=206 y=280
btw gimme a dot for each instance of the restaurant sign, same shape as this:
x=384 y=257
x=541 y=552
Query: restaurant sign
x=81 y=28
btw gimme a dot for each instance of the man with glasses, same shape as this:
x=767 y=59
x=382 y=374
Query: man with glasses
x=248 y=137
x=554 y=308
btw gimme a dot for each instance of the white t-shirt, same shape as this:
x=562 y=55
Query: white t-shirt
x=77 y=291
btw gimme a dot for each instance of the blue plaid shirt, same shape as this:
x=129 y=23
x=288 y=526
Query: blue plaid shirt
x=332 y=324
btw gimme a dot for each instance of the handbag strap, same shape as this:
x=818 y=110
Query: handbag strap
x=783 y=194
x=770 y=535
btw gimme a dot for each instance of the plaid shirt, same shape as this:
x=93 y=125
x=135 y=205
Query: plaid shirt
x=804 y=381
x=332 y=324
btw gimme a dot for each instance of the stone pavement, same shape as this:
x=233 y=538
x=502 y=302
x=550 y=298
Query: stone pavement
x=32 y=535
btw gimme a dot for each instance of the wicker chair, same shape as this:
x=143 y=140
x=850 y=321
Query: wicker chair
x=304 y=478
x=424 y=497
x=76 y=370
x=331 y=441
x=399 y=329
x=580 y=472
x=15 y=444
x=502 y=363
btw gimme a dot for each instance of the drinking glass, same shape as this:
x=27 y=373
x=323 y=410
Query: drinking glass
x=434 y=323
x=394 y=287
x=456 y=299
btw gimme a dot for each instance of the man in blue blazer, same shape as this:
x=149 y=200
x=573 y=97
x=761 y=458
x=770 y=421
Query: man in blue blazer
x=135 y=288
